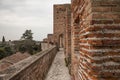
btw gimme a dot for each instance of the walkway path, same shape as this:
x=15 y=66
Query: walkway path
x=58 y=70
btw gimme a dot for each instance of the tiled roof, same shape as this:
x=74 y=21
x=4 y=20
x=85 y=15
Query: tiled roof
x=10 y=60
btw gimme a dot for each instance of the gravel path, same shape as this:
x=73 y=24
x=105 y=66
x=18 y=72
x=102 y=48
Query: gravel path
x=58 y=70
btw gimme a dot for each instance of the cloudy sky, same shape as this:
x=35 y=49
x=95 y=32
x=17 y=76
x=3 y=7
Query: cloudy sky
x=18 y=15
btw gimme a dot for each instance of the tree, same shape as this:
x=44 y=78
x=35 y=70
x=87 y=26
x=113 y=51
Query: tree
x=5 y=51
x=27 y=35
x=22 y=48
x=8 y=50
x=2 y=53
x=3 y=39
x=3 y=42
x=27 y=44
x=37 y=47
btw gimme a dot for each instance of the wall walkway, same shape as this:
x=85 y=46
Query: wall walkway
x=58 y=70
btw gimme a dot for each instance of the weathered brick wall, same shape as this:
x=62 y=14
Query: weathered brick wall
x=45 y=40
x=50 y=40
x=75 y=55
x=62 y=28
x=32 y=68
x=67 y=33
x=106 y=29
x=98 y=22
x=60 y=14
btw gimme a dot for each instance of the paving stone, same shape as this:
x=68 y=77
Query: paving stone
x=58 y=70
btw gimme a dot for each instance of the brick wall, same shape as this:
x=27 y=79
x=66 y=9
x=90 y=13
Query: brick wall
x=98 y=23
x=32 y=68
x=67 y=33
x=45 y=40
x=60 y=14
x=50 y=38
x=75 y=23
x=62 y=29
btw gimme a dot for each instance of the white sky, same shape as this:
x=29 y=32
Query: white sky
x=18 y=15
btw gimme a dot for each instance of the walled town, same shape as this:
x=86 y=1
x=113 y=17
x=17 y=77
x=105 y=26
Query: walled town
x=84 y=45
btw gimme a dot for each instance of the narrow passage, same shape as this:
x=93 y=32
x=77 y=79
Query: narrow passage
x=58 y=70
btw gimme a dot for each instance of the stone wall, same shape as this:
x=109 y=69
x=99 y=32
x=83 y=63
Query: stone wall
x=98 y=23
x=44 y=46
x=32 y=68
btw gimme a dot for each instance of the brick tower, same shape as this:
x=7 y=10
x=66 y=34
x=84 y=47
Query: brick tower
x=96 y=39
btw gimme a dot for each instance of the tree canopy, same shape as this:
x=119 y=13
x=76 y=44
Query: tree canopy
x=27 y=35
x=3 y=39
x=27 y=44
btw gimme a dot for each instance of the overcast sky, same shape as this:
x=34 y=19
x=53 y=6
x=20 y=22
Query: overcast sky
x=18 y=15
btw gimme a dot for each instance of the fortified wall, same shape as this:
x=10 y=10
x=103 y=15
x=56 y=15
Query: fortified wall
x=45 y=40
x=67 y=37
x=91 y=43
x=60 y=22
x=32 y=68
x=96 y=24
x=62 y=29
x=50 y=38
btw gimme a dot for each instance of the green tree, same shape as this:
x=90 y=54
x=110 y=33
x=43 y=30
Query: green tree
x=37 y=47
x=27 y=44
x=3 y=39
x=8 y=50
x=22 y=48
x=2 y=53
x=5 y=51
x=27 y=35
